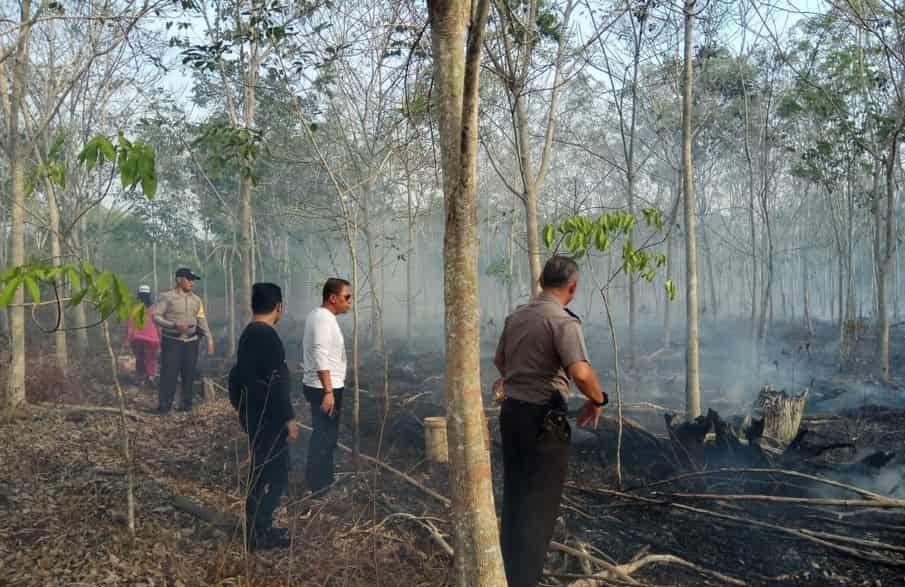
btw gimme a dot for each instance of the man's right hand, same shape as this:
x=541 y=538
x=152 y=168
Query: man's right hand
x=182 y=326
x=328 y=403
x=292 y=430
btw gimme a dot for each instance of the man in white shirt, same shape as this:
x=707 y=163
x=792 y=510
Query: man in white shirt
x=324 y=360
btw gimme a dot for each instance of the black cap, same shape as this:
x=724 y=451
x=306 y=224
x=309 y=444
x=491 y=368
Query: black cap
x=186 y=272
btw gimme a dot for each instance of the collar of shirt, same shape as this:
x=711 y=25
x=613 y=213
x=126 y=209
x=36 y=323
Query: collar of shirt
x=546 y=296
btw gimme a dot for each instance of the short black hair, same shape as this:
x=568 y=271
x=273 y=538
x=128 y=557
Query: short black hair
x=265 y=297
x=559 y=271
x=334 y=285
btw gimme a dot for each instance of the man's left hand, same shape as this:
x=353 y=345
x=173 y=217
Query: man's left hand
x=590 y=415
x=210 y=346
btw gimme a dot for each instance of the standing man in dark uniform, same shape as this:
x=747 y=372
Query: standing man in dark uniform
x=180 y=315
x=259 y=387
x=541 y=348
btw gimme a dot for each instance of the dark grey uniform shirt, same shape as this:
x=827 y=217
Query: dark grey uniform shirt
x=539 y=342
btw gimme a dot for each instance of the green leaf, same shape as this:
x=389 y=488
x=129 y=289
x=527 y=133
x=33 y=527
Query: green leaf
x=124 y=143
x=33 y=289
x=9 y=291
x=601 y=240
x=88 y=155
x=74 y=280
x=103 y=283
x=106 y=148
x=76 y=299
x=670 y=289
x=149 y=186
x=549 y=234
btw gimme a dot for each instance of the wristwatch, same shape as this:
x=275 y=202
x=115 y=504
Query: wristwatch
x=599 y=404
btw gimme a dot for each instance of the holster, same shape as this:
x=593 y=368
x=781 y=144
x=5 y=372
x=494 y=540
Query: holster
x=555 y=425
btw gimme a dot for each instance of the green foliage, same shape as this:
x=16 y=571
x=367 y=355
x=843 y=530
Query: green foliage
x=103 y=290
x=579 y=235
x=135 y=160
x=52 y=169
x=226 y=143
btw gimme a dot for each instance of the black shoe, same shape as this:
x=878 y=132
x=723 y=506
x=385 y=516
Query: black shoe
x=184 y=409
x=268 y=539
x=161 y=410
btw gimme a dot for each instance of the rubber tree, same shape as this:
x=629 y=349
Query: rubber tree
x=456 y=37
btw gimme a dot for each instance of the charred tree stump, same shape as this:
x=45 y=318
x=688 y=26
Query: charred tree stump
x=781 y=416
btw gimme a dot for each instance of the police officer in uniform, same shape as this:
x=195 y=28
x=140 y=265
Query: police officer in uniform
x=541 y=348
x=180 y=315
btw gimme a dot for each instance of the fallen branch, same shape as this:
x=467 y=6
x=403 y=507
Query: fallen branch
x=410 y=480
x=746 y=521
x=425 y=523
x=858 y=541
x=76 y=409
x=610 y=567
x=213 y=518
x=890 y=503
x=674 y=560
x=783 y=472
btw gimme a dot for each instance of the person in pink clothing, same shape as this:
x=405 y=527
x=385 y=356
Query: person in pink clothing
x=145 y=342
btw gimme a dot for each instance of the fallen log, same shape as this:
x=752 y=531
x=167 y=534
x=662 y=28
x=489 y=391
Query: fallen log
x=81 y=409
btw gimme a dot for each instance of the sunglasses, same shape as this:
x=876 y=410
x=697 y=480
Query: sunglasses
x=347 y=297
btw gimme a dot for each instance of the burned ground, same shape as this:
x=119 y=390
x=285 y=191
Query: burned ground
x=62 y=488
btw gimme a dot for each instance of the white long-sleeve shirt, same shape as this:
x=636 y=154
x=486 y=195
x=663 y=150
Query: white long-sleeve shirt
x=323 y=349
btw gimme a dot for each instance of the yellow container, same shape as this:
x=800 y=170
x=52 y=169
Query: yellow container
x=435 y=443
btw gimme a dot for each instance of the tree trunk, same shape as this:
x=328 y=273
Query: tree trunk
x=714 y=310
x=806 y=301
x=410 y=265
x=155 y=275
x=56 y=251
x=4 y=262
x=375 y=331
x=246 y=186
x=478 y=561
x=81 y=315
x=692 y=373
x=667 y=312
x=231 y=300
x=885 y=257
x=15 y=383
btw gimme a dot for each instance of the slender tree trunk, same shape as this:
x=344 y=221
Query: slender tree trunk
x=692 y=374
x=4 y=262
x=710 y=275
x=667 y=312
x=56 y=251
x=375 y=330
x=231 y=300
x=81 y=315
x=478 y=561
x=510 y=256
x=15 y=383
x=246 y=186
x=410 y=264
x=886 y=256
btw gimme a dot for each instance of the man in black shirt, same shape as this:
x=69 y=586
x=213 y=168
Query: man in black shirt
x=259 y=389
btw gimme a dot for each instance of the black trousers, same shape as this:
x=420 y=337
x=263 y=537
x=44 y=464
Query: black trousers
x=178 y=359
x=321 y=448
x=268 y=479
x=535 y=464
